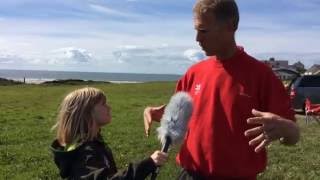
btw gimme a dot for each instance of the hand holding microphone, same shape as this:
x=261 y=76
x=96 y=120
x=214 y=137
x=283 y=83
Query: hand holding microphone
x=159 y=158
x=174 y=122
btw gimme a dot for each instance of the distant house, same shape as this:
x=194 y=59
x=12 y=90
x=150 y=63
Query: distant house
x=313 y=70
x=286 y=74
x=277 y=63
x=298 y=66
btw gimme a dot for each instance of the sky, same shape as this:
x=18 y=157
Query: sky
x=145 y=36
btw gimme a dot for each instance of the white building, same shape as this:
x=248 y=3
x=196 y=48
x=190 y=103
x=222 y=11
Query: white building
x=313 y=70
x=277 y=63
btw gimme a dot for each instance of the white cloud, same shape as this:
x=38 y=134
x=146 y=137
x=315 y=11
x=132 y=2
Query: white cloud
x=8 y=58
x=70 y=55
x=157 y=59
x=163 y=54
x=5 y=60
x=37 y=61
x=194 y=55
x=110 y=11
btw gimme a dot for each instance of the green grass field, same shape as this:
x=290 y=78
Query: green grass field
x=27 y=113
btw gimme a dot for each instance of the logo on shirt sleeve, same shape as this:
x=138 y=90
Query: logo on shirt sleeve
x=197 y=89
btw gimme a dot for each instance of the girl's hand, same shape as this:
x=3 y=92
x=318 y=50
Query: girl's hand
x=159 y=158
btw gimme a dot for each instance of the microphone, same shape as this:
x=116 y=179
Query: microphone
x=174 y=122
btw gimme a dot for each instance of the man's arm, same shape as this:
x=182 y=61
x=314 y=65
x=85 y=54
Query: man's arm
x=152 y=114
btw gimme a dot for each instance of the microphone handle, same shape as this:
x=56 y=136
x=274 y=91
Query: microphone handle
x=165 y=149
x=166 y=145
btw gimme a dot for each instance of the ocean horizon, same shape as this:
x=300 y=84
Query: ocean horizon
x=40 y=76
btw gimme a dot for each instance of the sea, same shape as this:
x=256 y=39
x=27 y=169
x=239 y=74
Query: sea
x=37 y=76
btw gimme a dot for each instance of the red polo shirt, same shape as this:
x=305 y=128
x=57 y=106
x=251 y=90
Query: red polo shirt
x=224 y=93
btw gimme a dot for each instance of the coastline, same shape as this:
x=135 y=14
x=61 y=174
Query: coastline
x=59 y=77
x=31 y=80
x=46 y=81
x=38 y=76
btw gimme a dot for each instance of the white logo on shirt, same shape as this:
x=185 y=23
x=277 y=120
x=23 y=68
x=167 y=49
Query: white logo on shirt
x=197 y=89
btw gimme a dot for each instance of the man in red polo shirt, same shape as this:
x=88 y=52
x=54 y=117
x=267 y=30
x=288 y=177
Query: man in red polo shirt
x=240 y=106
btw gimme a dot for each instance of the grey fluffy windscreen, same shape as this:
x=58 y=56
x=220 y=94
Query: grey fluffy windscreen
x=174 y=122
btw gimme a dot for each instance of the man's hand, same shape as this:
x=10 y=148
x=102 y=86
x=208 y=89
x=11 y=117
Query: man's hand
x=272 y=127
x=152 y=114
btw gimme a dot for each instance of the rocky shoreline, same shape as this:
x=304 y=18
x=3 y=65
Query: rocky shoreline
x=4 y=81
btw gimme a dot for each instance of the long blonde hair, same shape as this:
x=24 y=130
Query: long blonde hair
x=75 y=119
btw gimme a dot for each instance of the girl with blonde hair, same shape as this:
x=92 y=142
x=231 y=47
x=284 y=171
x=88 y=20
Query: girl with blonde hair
x=79 y=150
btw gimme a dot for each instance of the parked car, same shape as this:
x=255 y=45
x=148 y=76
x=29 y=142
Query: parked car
x=305 y=87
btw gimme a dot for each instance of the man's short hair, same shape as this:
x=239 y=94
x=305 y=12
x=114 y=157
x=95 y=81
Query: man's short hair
x=223 y=10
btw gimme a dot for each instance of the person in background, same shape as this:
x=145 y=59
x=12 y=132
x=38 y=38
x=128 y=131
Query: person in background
x=79 y=150
x=240 y=106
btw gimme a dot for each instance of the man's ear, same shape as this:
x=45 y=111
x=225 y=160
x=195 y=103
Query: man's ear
x=230 y=26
